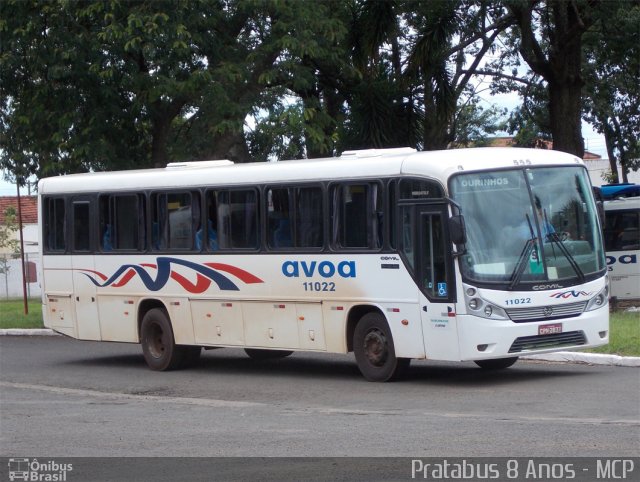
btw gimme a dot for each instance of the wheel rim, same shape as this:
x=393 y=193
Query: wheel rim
x=375 y=347
x=155 y=341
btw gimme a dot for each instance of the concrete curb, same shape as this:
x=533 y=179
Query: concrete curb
x=588 y=358
x=561 y=357
x=28 y=332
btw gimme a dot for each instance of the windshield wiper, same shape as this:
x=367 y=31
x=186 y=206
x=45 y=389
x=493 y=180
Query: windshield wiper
x=554 y=237
x=518 y=270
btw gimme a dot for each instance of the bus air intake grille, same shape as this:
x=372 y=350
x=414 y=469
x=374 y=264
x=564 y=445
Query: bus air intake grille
x=543 y=313
x=542 y=342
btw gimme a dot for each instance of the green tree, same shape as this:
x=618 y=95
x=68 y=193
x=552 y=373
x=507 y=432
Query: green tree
x=57 y=113
x=312 y=67
x=474 y=124
x=8 y=230
x=8 y=239
x=453 y=38
x=550 y=40
x=612 y=87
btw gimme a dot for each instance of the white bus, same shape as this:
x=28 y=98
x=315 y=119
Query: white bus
x=392 y=254
x=622 y=244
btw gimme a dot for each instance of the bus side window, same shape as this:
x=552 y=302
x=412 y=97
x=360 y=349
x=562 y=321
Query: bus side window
x=208 y=236
x=295 y=217
x=406 y=234
x=81 y=226
x=279 y=225
x=622 y=230
x=630 y=236
x=54 y=224
x=176 y=217
x=357 y=216
x=309 y=217
x=122 y=222
x=237 y=219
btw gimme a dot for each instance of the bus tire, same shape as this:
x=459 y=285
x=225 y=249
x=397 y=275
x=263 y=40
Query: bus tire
x=374 y=350
x=158 y=345
x=496 y=363
x=260 y=354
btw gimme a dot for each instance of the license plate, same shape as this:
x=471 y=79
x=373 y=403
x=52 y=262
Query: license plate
x=550 y=329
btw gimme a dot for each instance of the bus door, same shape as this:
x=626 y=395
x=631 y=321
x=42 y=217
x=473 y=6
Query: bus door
x=434 y=274
x=82 y=244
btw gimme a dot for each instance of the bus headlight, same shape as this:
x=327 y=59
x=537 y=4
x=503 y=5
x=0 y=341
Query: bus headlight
x=492 y=312
x=599 y=300
x=481 y=307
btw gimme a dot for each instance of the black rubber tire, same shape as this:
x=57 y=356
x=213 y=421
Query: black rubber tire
x=496 y=363
x=374 y=350
x=260 y=354
x=158 y=345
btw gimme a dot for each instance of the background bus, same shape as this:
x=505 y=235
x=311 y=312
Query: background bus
x=622 y=244
x=390 y=254
x=618 y=191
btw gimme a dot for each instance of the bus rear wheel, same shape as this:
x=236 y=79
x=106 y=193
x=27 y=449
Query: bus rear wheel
x=374 y=350
x=497 y=363
x=260 y=354
x=158 y=345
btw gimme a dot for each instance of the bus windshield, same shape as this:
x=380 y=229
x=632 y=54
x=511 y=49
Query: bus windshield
x=526 y=226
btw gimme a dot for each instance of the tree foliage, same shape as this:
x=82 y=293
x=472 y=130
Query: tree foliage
x=8 y=230
x=115 y=84
x=613 y=83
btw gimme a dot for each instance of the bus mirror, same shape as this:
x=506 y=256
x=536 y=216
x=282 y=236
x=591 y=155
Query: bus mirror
x=601 y=213
x=457 y=229
x=597 y=194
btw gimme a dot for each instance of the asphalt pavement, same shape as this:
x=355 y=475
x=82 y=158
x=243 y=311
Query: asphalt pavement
x=561 y=357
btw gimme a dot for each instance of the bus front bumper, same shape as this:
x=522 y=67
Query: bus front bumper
x=481 y=338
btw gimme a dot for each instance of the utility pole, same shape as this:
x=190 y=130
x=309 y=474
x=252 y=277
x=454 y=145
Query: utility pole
x=24 y=274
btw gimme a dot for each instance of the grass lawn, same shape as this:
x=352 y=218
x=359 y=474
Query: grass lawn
x=624 y=338
x=12 y=314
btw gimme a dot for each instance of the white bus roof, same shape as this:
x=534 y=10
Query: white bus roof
x=371 y=163
x=622 y=203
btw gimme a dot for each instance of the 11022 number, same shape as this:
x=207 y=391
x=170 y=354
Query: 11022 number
x=319 y=286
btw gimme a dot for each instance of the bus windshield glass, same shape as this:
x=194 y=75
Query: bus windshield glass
x=526 y=226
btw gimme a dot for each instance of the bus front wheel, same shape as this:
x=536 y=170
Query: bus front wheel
x=374 y=350
x=158 y=345
x=496 y=363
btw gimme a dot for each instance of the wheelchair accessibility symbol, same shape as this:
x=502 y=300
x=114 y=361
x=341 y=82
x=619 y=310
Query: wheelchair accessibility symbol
x=442 y=289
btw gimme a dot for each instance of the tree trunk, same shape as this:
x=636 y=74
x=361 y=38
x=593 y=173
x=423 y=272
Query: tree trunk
x=610 y=142
x=565 y=112
x=438 y=121
x=436 y=135
x=162 y=115
x=160 y=135
x=561 y=66
x=229 y=145
x=314 y=145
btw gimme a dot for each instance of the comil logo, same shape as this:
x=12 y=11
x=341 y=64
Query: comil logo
x=38 y=471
